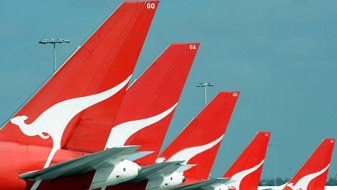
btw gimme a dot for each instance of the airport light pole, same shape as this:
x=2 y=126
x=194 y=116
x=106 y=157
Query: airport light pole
x=205 y=85
x=54 y=42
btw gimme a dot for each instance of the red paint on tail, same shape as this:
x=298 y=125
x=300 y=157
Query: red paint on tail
x=204 y=132
x=157 y=90
x=249 y=163
x=105 y=60
x=313 y=174
x=96 y=122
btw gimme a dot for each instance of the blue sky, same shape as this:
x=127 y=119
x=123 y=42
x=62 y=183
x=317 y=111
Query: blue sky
x=281 y=56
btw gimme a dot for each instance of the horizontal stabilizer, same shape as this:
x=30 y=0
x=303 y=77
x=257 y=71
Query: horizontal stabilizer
x=184 y=167
x=82 y=164
x=158 y=170
x=208 y=184
x=138 y=155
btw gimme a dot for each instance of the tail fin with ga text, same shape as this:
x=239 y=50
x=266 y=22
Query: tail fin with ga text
x=148 y=106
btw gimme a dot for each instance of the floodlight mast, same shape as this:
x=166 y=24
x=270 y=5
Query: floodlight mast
x=54 y=42
x=205 y=85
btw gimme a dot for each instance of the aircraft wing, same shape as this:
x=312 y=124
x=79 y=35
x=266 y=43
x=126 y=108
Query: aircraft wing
x=82 y=164
x=208 y=184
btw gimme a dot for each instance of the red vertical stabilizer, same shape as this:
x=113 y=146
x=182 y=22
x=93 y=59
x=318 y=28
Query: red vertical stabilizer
x=148 y=106
x=84 y=94
x=199 y=142
x=313 y=174
x=246 y=170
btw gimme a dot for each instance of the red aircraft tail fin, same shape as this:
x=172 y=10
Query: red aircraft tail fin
x=199 y=142
x=148 y=106
x=89 y=86
x=246 y=170
x=313 y=173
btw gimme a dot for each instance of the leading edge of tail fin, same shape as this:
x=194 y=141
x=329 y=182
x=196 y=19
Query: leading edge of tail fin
x=199 y=142
x=246 y=171
x=104 y=62
x=149 y=104
x=312 y=175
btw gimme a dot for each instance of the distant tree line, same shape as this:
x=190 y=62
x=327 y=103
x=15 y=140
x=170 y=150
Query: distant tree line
x=280 y=181
x=332 y=181
x=271 y=182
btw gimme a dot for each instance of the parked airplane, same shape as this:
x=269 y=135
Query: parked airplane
x=245 y=172
x=313 y=174
x=38 y=135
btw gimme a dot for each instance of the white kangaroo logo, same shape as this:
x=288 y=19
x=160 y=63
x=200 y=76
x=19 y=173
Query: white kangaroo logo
x=304 y=181
x=189 y=153
x=238 y=177
x=121 y=133
x=54 y=120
